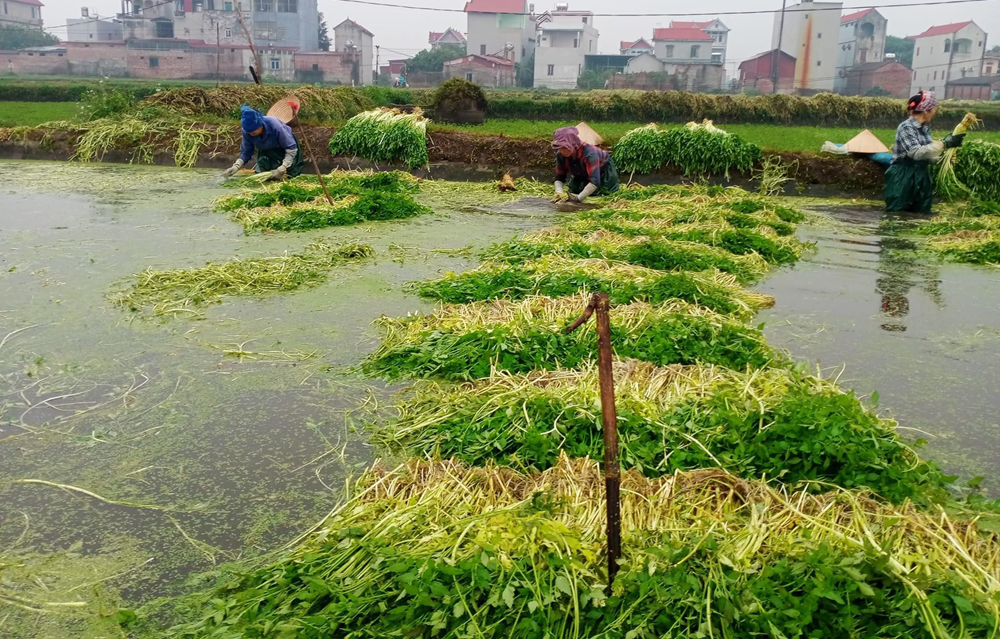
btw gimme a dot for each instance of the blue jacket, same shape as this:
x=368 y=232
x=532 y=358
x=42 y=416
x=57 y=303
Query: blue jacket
x=277 y=135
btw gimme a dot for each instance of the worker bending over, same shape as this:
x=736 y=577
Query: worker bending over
x=908 y=183
x=589 y=168
x=277 y=149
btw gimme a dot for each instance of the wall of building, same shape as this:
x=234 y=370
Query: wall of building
x=18 y=14
x=99 y=59
x=677 y=77
x=489 y=32
x=644 y=64
x=680 y=51
x=859 y=42
x=91 y=29
x=330 y=67
x=558 y=67
x=810 y=35
x=991 y=63
x=893 y=77
x=756 y=73
x=365 y=46
x=933 y=66
x=299 y=28
x=485 y=75
x=34 y=62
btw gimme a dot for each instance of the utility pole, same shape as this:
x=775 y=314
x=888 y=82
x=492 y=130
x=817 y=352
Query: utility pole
x=781 y=33
x=377 y=68
x=218 y=52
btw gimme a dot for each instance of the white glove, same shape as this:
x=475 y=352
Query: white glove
x=929 y=152
x=231 y=171
x=559 y=191
x=584 y=194
x=278 y=173
x=289 y=157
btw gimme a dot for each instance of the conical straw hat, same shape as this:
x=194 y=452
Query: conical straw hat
x=866 y=142
x=588 y=135
x=285 y=109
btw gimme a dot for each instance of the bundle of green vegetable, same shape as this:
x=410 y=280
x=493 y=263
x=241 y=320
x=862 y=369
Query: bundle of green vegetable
x=660 y=254
x=435 y=549
x=319 y=213
x=554 y=276
x=675 y=418
x=947 y=183
x=142 y=136
x=977 y=167
x=183 y=291
x=384 y=135
x=467 y=341
x=306 y=187
x=697 y=149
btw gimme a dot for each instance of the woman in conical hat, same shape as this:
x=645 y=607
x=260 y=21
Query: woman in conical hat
x=277 y=149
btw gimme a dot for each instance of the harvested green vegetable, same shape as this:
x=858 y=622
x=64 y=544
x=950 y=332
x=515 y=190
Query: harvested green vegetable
x=184 y=291
x=437 y=549
x=350 y=209
x=555 y=276
x=977 y=167
x=669 y=419
x=973 y=247
x=467 y=341
x=697 y=149
x=384 y=135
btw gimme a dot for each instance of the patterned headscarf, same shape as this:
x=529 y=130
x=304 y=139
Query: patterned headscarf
x=251 y=119
x=927 y=102
x=567 y=138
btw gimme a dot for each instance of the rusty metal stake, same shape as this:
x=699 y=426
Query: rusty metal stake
x=612 y=475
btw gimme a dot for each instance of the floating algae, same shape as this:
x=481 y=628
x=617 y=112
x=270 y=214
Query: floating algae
x=673 y=418
x=436 y=547
x=553 y=276
x=468 y=341
x=184 y=291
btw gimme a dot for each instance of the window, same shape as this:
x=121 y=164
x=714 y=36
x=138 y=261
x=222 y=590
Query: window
x=590 y=46
x=5 y=8
x=179 y=6
x=198 y=7
x=585 y=19
x=154 y=62
x=551 y=69
x=229 y=33
x=947 y=46
x=32 y=12
x=918 y=50
x=227 y=6
x=90 y=35
x=695 y=49
x=935 y=75
x=262 y=5
x=670 y=50
x=315 y=67
x=275 y=64
x=931 y=52
x=819 y=63
x=268 y=31
x=482 y=49
x=716 y=57
x=819 y=36
x=576 y=42
x=914 y=75
x=468 y=77
x=288 y=6
x=164 y=28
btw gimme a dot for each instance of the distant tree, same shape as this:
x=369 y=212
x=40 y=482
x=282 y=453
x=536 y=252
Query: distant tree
x=19 y=38
x=877 y=92
x=591 y=79
x=902 y=47
x=324 y=34
x=996 y=49
x=525 y=71
x=434 y=59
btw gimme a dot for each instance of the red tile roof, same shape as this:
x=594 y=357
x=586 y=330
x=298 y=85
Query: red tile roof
x=626 y=44
x=434 y=36
x=681 y=34
x=675 y=24
x=494 y=6
x=943 y=29
x=857 y=15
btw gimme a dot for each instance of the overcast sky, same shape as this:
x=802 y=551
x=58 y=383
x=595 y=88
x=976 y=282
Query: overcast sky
x=404 y=31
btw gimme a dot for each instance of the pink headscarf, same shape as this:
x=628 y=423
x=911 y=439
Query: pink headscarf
x=927 y=102
x=567 y=138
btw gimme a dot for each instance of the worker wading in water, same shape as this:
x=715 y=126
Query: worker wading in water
x=590 y=169
x=277 y=149
x=908 y=183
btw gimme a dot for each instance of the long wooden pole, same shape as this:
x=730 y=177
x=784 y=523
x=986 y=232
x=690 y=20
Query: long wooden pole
x=253 y=51
x=612 y=473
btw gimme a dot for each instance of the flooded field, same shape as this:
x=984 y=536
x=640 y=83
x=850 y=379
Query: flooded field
x=135 y=454
x=197 y=441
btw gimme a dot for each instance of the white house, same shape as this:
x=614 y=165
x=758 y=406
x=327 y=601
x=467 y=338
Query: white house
x=564 y=39
x=629 y=47
x=809 y=32
x=644 y=62
x=21 y=13
x=495 y=25
x=351 y=37
x=93 y=28
x=677 y=45
x=861 y=40
x=718 y=31
x=448 y=36
x=946 y=52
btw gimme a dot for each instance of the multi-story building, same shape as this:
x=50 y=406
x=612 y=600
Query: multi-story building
x=351 y=39
x=861 y=40
x=808 y=32
x=21 y=13
x=448 y=36
x=676 y=45
x=284 y=23
x=947 y=52
x=564 y=40
x=503 y=28
x=636 y=47
x=93 y=28
x=991 y=63
x=715 y=30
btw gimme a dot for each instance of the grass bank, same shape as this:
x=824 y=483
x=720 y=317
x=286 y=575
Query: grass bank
x=35 y=113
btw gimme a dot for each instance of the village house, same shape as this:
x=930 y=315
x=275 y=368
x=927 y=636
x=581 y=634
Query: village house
x=808 y=32
x=448 y=36
x=861 y=40
x=88 y=28
x=758 y=73
x=353 y=40
x=716 y=30
x=496 y=27
x=946 y=52
x=991 y=63
x=682 y=45
x=635 y=47
x=21 y=13
x=890 y=75
x=485 y=70
x=564 y=40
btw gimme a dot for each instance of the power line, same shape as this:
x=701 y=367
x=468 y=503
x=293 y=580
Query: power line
x=394 y=5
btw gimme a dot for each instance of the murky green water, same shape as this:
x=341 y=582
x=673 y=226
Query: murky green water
x=925 y=335
x=235 y=456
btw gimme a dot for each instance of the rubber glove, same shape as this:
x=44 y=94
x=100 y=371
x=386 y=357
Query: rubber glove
x=560 y=192
x=952 y=141
x=278 y=173
x=584 y=194
x=231 y=171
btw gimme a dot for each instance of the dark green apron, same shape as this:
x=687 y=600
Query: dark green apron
x=908 y=186
x=271 y=159
x=609 y=180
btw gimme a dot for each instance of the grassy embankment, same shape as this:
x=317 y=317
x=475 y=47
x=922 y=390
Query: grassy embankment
x=35 y=113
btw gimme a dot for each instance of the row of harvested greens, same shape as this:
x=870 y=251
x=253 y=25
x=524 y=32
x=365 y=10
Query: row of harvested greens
x=760 y=500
